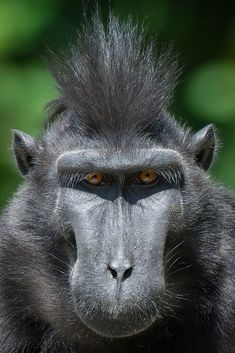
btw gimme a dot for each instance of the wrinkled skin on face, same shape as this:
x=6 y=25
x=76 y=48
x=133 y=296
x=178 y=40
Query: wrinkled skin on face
x=118 y=278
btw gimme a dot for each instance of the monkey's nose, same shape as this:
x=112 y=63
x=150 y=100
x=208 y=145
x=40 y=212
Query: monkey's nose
x=120 y=271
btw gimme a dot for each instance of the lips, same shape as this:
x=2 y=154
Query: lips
x=114 y=322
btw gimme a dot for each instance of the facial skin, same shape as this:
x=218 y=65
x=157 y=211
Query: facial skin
x=120 y=227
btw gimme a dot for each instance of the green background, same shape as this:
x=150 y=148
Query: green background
x=202 y=31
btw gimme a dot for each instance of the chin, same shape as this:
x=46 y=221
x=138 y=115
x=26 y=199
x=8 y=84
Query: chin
x=117 y=323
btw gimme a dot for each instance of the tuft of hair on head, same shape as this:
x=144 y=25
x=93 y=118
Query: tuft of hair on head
x=111 y=80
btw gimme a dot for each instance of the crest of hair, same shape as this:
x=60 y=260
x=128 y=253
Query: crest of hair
x=111 y=80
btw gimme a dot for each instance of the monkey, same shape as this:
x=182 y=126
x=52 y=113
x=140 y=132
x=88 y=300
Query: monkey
x=118 y=240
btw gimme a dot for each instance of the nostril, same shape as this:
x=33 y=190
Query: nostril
x=120 y=273
x=113 y=272
x=127 y=273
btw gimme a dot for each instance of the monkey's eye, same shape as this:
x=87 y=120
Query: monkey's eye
x=95 y=179
x=147 y=176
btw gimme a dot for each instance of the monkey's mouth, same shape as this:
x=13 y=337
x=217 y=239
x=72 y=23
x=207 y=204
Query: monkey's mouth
x=115 y=321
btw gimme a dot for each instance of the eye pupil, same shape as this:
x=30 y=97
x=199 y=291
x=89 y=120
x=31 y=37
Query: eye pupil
x=95 y=178
x=147 y=176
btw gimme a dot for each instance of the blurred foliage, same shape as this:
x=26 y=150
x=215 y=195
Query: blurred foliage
x=210 y=92
x=21 y=23
x=203 y=32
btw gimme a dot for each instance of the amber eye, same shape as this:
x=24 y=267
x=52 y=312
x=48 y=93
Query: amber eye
x=147 y=176
x=95 y=178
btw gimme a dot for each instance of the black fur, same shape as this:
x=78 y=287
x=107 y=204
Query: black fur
x=114 y=94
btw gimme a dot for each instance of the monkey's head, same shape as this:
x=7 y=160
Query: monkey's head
x=121 y=182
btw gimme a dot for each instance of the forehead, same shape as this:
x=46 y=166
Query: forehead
x=118 y=150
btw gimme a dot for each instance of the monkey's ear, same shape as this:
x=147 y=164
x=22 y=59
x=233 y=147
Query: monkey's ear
x=24 y=147
x=204 y=145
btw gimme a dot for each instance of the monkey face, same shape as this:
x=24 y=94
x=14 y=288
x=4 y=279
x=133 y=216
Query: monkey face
x=131 y=211
x=120 y=214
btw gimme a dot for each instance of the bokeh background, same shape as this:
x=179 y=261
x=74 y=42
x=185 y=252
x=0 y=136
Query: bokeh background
x=202 y=31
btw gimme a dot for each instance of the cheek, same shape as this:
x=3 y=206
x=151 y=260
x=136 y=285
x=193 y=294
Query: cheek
x=176 y=211
x=157 y=218
x=163 y=209
x=79 y=206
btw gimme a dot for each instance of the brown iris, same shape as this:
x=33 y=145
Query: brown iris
x=147 y=176
x=95 y=178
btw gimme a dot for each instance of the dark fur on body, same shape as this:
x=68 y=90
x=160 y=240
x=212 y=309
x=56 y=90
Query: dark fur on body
x=114 y=92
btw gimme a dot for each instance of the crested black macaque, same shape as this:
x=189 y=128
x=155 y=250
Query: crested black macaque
x=118 y=240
